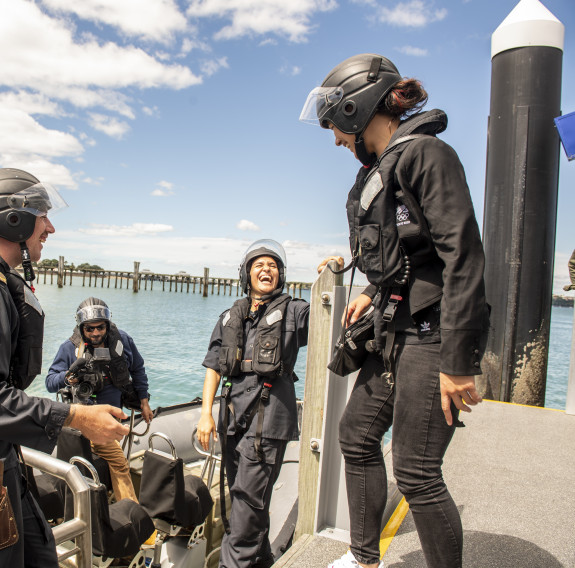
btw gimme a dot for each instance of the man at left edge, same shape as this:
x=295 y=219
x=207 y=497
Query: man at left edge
x=30 y=421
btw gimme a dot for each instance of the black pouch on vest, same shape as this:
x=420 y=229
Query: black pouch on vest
x=353 y=346
x=8 y=529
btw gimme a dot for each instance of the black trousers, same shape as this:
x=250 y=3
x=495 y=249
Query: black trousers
x=251 y=483
x=35 y=547
x=412 y=403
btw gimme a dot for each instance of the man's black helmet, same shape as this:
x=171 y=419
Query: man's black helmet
x=22 y=199
x=92 y=309
x=263 y=247
x=351 y=93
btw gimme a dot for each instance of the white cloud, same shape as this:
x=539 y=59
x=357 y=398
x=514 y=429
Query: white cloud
x=259 y=17
x=21 y=134
x=164 y=189
x=291 y=70
x=56 y=174
x=126 y=230
x=410 y=14
x=155 y=20
x=213 y=65
x=48 y=55
x=410 y=50
x=109 y=125
x=151 y=111
x=245 y=225
x=54 y=70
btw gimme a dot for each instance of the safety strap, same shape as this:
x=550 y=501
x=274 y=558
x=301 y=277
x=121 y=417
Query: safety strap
x=388 y=317
x=226 y=389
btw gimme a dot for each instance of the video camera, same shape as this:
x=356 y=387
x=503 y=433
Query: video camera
x=89 y=377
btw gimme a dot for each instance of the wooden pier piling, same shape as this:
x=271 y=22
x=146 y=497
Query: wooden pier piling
x=60 y=272
x=204 y=285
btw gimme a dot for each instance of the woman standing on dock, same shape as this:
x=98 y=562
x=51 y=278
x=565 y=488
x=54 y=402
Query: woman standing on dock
x=414 y=234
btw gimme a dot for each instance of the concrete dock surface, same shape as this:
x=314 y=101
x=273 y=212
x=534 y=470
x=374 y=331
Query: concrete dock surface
x=511 y=471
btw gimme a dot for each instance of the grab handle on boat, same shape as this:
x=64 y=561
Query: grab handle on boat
x=88 y=466
x=164 y=437
x=211 y=458
x=201 y=450
x=129 y=439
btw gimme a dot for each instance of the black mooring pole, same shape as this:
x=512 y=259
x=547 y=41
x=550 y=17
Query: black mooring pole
x=521 y=201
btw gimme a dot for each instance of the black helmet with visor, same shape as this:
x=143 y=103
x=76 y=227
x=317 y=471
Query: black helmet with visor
x=350 y=96
x=23 y=198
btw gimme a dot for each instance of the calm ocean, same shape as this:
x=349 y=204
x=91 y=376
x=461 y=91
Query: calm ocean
x=172 y=331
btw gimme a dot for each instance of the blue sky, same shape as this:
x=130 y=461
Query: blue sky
x=171 y=126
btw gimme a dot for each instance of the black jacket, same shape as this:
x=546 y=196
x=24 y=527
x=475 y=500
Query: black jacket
x=428 y=174
x=24 y=420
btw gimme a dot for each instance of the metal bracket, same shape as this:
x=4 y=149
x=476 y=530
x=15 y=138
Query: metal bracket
x=315 y=445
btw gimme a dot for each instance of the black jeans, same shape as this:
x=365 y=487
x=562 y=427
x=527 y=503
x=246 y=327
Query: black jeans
x=412 y=402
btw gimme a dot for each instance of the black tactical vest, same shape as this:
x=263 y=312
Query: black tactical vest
x=385 y=220
x=119 y=374
x=267 y=353
x=26 y=362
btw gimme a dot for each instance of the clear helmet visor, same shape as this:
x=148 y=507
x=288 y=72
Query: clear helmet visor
x=318 y=102
x=38 y=199
x=92 y=313
x=265 y=247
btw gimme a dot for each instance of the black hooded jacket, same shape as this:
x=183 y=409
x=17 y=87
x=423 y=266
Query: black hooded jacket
x=421 y=201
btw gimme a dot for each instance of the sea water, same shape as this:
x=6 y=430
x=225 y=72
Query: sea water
x=172 y=332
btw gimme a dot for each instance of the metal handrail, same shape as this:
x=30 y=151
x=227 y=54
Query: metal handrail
x=80 y=527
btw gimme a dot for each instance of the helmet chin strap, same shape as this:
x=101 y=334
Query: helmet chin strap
x=26 y=263
x=361 y=152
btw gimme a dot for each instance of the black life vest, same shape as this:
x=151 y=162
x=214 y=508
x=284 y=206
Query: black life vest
x=385 y=222
x=267 y=353
x=26 y=362
x=119 y=373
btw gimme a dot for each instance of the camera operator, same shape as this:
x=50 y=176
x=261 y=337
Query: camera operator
x=100 y=364
x=27 y=539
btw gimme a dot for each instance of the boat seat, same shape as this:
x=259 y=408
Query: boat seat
x=118 y=530
x=166 y=494
x=71 y=443
x=48 y=492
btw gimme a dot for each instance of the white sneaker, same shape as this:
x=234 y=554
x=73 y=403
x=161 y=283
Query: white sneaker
x=348 y=561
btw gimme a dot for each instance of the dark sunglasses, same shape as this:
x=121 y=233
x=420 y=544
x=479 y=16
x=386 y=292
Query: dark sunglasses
x=91 y=328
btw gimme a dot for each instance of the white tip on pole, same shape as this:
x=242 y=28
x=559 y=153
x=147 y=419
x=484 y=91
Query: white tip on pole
x=528 y=24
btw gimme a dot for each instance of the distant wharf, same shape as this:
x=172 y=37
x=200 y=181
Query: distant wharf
x=143 y=279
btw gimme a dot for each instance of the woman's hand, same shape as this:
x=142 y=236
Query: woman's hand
x=323 y=264
x=206 y=427
x=355 y=310
x=459 y=389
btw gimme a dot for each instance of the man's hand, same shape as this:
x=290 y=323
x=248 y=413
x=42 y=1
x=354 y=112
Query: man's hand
x=206 y=427
x=98 y=422
x=459 y=389
x=355 y=310
x=323 y=264
x=147 y=413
